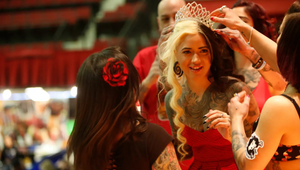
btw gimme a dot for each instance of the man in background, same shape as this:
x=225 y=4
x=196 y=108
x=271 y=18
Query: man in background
x=149 y=70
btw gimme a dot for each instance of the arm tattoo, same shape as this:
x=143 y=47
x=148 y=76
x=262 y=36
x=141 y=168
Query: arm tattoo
x=239 y=141
x=273 y=165
x=254 y=57
x=243 y=33
x=167 y=160
x=267 y=68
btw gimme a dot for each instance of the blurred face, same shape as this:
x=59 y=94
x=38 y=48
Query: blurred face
x=194 y=57
x=166 y=12
x=8 y=141
x=240 y=11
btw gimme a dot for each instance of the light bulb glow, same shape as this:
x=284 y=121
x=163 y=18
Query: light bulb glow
x=6 y=94
x=73 y=91
x=37 y=94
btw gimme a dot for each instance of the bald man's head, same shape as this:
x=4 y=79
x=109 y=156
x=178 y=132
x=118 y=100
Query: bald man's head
x=166 y=12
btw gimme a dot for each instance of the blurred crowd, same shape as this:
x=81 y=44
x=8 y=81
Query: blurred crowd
x=32 y=131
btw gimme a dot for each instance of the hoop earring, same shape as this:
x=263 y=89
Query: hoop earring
x=177 y=70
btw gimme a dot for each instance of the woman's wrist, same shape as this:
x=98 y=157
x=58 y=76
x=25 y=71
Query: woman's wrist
x=252 y=55
x=245 y=29
x=237 y=118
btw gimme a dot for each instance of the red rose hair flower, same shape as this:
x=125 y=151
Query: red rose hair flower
x=115 y=73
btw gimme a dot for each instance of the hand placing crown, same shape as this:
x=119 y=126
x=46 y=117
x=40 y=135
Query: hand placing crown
x=194 y=11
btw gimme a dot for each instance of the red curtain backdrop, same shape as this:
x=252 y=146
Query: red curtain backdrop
x=46 y=68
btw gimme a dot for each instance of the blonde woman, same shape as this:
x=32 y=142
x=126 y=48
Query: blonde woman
x=199 y=70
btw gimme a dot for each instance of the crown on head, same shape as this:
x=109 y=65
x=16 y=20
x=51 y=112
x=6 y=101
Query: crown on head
x=194 y=11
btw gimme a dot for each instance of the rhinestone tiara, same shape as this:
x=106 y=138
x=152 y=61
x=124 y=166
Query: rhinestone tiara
x=194 y=11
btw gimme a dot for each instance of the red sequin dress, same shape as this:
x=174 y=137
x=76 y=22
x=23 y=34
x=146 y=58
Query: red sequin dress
x=211 y=151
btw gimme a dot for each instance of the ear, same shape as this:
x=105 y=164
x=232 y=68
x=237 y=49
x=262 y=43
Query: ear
x=158 y=24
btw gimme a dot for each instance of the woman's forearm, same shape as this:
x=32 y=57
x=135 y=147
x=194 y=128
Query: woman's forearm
x=274 y=79
x=239 y=141
x=264 y=46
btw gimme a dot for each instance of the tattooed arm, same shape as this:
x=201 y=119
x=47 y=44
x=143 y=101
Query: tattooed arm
x=253 y=111
x=167 y=160
x=275 y=81
x=270 y=130
x=171 y=115
x=237 y=43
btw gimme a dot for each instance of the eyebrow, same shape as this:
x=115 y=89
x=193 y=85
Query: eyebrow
x=164 y=16
x=186 y=48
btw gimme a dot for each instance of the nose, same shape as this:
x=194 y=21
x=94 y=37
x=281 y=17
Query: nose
x=196 y=58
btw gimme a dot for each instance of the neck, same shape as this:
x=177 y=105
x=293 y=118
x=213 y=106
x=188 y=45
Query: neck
x=241 y=61
x=198 y=87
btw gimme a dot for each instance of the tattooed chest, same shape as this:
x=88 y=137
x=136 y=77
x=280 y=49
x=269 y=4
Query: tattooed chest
x=195 y=108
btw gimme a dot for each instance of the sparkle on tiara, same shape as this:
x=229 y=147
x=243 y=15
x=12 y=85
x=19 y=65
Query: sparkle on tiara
x=194 y=11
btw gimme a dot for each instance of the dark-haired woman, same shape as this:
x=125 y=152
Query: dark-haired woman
x=109 y=132
x=263 y=81
x=278 y=129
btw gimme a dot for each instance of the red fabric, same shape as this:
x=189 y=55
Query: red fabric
x=143 y=62
x=211 y=151
x=261 y=93
x=36 y=67
x=2 y=70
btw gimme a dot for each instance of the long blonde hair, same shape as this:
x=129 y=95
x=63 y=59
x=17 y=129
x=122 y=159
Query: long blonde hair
x=168 y=56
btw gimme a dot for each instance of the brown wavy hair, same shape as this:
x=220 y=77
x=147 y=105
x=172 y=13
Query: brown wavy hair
x=103 y=111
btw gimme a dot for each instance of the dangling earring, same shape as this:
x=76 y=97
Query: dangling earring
x=177 y=70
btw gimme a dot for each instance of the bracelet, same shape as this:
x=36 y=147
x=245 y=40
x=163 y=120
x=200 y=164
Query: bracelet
x=250 y=36
x=262 y=66
x=258 y=63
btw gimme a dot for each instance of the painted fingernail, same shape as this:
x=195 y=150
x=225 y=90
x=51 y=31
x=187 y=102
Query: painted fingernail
x=248 y=96
x=211 y=18
x=204 y=116
x=204 y=122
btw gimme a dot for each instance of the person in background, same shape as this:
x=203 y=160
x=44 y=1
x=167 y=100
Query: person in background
x=200 y=71
x=275 y=142
x=10 y=156
x=109 y=133
x=264 y=82
x=148 y=67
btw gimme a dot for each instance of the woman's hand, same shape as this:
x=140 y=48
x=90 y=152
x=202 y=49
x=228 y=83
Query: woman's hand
x=219 y=120
x=235 y=40
x=227 y=17
x=239 y=106
x=164 y=35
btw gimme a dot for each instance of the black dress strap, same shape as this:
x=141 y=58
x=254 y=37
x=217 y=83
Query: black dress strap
x=294 y=102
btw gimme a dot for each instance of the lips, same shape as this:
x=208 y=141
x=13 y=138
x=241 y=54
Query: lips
x=198 y=68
